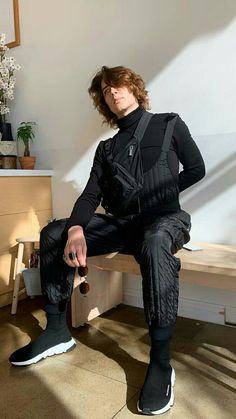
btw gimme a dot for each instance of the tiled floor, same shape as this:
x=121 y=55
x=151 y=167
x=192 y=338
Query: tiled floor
x=102 y=377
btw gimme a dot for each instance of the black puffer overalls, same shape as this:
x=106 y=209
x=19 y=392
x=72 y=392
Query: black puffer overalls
x=152 y=236
x=163 y=237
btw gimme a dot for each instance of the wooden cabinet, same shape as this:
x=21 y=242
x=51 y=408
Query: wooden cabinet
x=25 y=207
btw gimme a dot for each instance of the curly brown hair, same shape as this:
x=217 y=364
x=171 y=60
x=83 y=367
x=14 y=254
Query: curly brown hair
x=117 y=76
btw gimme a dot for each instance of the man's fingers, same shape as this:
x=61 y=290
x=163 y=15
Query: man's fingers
x=70 y=257
x=75 y=258
x=84 y=252
x=73 y=263
x=75 y=252
x=81 y=255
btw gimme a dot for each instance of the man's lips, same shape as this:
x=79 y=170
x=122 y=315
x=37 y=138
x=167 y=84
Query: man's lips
x=117 y=100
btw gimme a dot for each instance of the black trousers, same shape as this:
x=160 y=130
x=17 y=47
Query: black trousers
x=153 y=240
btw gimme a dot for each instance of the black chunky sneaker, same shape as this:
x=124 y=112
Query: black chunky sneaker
x=157 y=395
x=55 y=339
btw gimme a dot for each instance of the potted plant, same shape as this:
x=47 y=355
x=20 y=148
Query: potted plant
x=25 y=133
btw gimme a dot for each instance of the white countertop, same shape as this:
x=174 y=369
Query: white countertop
x=21 y=172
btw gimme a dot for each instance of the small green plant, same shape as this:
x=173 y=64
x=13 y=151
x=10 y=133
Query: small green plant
x=25 y=133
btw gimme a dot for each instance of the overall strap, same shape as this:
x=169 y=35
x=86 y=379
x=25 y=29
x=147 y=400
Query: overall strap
x=169 y=133
x=137 y=136
x=142 y=126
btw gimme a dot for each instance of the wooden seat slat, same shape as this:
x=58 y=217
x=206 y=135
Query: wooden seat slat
x=213 y=258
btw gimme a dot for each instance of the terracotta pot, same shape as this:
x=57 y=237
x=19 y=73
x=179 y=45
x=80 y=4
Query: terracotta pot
x=27 y=162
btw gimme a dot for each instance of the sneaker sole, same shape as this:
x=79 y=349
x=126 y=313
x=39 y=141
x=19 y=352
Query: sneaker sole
x=54 y=350
x=167 y=406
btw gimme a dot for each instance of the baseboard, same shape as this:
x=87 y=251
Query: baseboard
x=132 y=297
x=193 y=309
x=199 y=310
x=230 y=316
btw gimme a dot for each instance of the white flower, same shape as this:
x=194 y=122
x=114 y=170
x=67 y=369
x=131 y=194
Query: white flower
x=2 y=38
x=4 y=110
x=7 y=79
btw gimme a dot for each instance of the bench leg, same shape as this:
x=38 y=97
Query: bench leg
x=17 y=278
x=106 y=291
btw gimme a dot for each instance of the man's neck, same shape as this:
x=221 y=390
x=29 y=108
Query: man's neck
x=126 y=112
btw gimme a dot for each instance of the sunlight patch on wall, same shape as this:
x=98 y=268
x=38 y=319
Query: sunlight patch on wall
x=199 y=84
x=82 y=167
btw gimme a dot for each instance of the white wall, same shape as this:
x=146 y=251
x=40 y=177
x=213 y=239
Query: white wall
x=184 y=50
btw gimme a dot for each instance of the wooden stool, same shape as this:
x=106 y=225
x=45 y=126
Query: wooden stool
x=21 y=245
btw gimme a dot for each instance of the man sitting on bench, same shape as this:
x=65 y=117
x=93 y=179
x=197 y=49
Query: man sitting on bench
x=135 y=176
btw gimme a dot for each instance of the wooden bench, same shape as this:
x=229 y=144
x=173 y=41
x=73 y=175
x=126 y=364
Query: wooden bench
x=214 y=266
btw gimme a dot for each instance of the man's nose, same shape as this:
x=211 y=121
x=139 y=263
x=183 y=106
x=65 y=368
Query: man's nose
x=113 y=90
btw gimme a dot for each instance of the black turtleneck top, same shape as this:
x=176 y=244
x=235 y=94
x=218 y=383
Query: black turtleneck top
x=182 y=150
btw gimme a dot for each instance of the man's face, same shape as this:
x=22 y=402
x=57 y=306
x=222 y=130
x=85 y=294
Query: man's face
x=120 y=100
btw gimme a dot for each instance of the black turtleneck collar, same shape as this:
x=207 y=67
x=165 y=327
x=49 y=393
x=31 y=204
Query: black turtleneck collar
x=131 y=118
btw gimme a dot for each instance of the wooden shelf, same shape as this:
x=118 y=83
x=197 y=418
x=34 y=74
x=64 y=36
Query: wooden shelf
x=25 y=208
x=21 y=172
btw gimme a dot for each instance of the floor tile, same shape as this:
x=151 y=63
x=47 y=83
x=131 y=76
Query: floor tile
x=197 y=396
x=102 y=377
x=52 y=388
x=123 y=359
x=218 y=335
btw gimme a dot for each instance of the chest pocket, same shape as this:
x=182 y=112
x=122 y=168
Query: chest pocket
x=120 y=191
x=123 y=179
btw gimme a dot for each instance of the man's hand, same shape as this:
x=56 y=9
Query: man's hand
x=75 y=250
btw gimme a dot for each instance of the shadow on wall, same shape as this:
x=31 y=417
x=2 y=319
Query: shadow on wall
x=216 y=182
x=166 y=29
